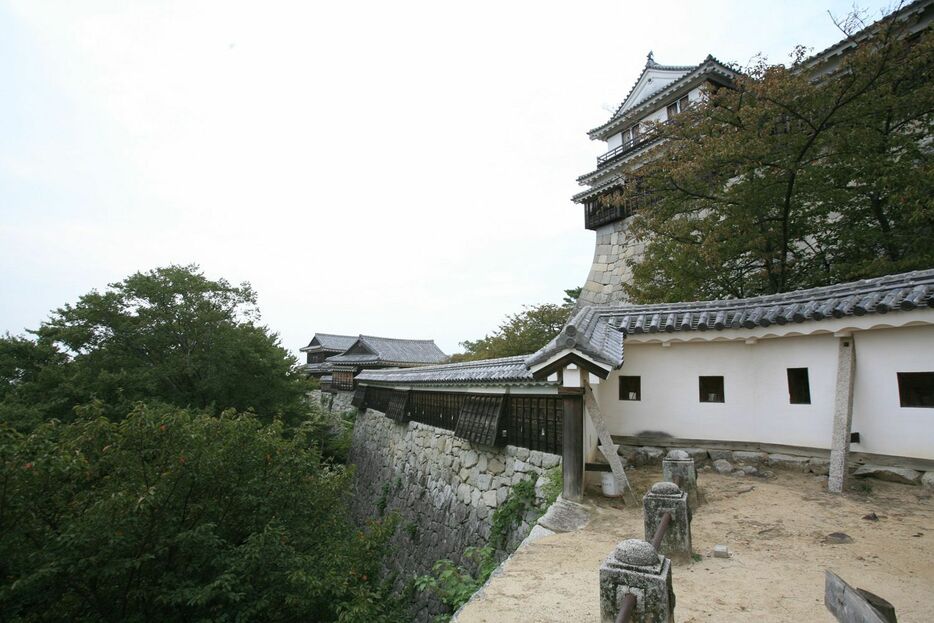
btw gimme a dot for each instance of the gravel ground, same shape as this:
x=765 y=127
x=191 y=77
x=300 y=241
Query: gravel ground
x=775 y=530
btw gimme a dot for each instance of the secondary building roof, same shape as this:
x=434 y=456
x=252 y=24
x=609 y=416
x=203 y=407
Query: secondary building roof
x=369 y=350
x=596 y=332
x=329 y=341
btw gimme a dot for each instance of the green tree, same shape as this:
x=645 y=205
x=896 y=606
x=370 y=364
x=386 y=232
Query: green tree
x=169 y=335
x=793 y=179
x=175 y=515
x=522 y=333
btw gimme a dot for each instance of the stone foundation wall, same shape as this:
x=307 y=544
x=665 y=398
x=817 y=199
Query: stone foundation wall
x=760 y=463
x=334 y=402
x=444 y=489
x=615 y=248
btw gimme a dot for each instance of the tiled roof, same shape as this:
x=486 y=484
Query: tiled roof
x=369 y=349
x=317 y=368
x=598 y=331
x=505 y=370
x=710 y=65
x=330 y=341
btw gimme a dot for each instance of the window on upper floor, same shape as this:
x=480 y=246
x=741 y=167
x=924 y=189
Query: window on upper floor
x=711 y=389
x=916 y=389
x=799 y=387
x=630 y=388
x=678 y=107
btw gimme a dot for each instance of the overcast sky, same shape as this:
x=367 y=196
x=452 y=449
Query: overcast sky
x=392 y=168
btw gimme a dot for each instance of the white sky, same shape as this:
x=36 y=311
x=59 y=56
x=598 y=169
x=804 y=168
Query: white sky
x=391 y=168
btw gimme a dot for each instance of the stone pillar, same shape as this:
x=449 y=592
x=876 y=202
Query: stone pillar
x=842 y=413
x=636 y=568
x=678 y=467
x=667 y=497
x=573 y=446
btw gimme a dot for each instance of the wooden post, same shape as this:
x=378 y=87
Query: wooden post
x=573 y=445
x=607 y=447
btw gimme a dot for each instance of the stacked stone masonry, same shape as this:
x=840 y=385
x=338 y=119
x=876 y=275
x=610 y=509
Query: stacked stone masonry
x=615 y=250
x=444 y=489
x=758 y=463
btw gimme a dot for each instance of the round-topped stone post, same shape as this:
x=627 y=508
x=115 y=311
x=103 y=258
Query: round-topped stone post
x=635 y=568
x=667 y=497
x=678 y=467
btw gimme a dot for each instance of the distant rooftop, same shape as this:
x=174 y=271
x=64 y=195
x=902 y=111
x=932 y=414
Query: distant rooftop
x=369 y=350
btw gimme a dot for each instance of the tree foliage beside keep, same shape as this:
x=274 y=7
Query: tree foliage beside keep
x=793 y=179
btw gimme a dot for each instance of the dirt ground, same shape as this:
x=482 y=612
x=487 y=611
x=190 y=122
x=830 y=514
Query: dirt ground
x=774 y=529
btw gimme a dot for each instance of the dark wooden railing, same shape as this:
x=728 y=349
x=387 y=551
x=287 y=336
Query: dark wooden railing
x=599 y=212
x=644 y=138
x=535 y=422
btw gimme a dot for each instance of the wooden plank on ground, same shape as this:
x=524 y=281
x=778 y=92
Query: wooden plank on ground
x=849 y=605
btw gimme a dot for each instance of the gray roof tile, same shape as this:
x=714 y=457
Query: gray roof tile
x=505 y=370
x=598 y=330
x=369 y=349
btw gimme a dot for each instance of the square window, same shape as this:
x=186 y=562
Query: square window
x=672 y=110
x=630 y=388
x=916 y=389
x=711 y=389
x=799 y=388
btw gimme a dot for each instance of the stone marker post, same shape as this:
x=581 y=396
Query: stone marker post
x=635 y=567
x=842 y=413
x=667 y=497
x=678 y=467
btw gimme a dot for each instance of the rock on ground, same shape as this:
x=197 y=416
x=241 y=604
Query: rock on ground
x=892 y=474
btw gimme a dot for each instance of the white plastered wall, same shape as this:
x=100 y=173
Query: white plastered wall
x=757 y=407
x=884 y=426
x=755 y=387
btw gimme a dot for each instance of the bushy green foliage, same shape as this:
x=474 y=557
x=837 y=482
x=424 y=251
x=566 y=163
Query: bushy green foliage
x=454 y=584
x=522 y=333
x=509 y=515
x=168 y=335
x=793 y=180
x=176 y=515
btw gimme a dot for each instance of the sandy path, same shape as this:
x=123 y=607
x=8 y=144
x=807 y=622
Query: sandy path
x=774 y=529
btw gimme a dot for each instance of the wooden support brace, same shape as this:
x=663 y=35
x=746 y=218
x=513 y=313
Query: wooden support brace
x=606 y=441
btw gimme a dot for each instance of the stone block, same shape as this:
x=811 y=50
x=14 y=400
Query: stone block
x=787 y=461
x=469 y=459
x=522 y=467
x=550 y=460
x=495 y=466
x=628 y=453
x=892 y=474
x=649 y=455
x=721 y=551
x=484 y=481
x=726 y=455
x=522 y=453
x=667 y=497
x=501 y=494
x=927 y=480
x=489 y=499
x=698 y=454
x=535 y=458
x=754 y=458
x=678 y=467
x=482 y=461
x=635 y=568
x=821 y=467
x=722 y=466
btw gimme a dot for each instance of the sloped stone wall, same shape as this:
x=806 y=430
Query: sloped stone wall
x=615 y=247
x=444 y=489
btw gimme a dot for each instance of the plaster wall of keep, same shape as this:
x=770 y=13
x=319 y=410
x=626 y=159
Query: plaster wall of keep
x=444 y=490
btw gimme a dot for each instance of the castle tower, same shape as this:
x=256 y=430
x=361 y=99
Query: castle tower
x=659 y=94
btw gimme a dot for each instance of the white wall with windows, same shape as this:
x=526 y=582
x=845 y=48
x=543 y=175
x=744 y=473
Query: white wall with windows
x=756 y=403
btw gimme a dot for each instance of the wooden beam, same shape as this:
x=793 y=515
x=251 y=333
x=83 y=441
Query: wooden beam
x=851 y=605
x=607 y=447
